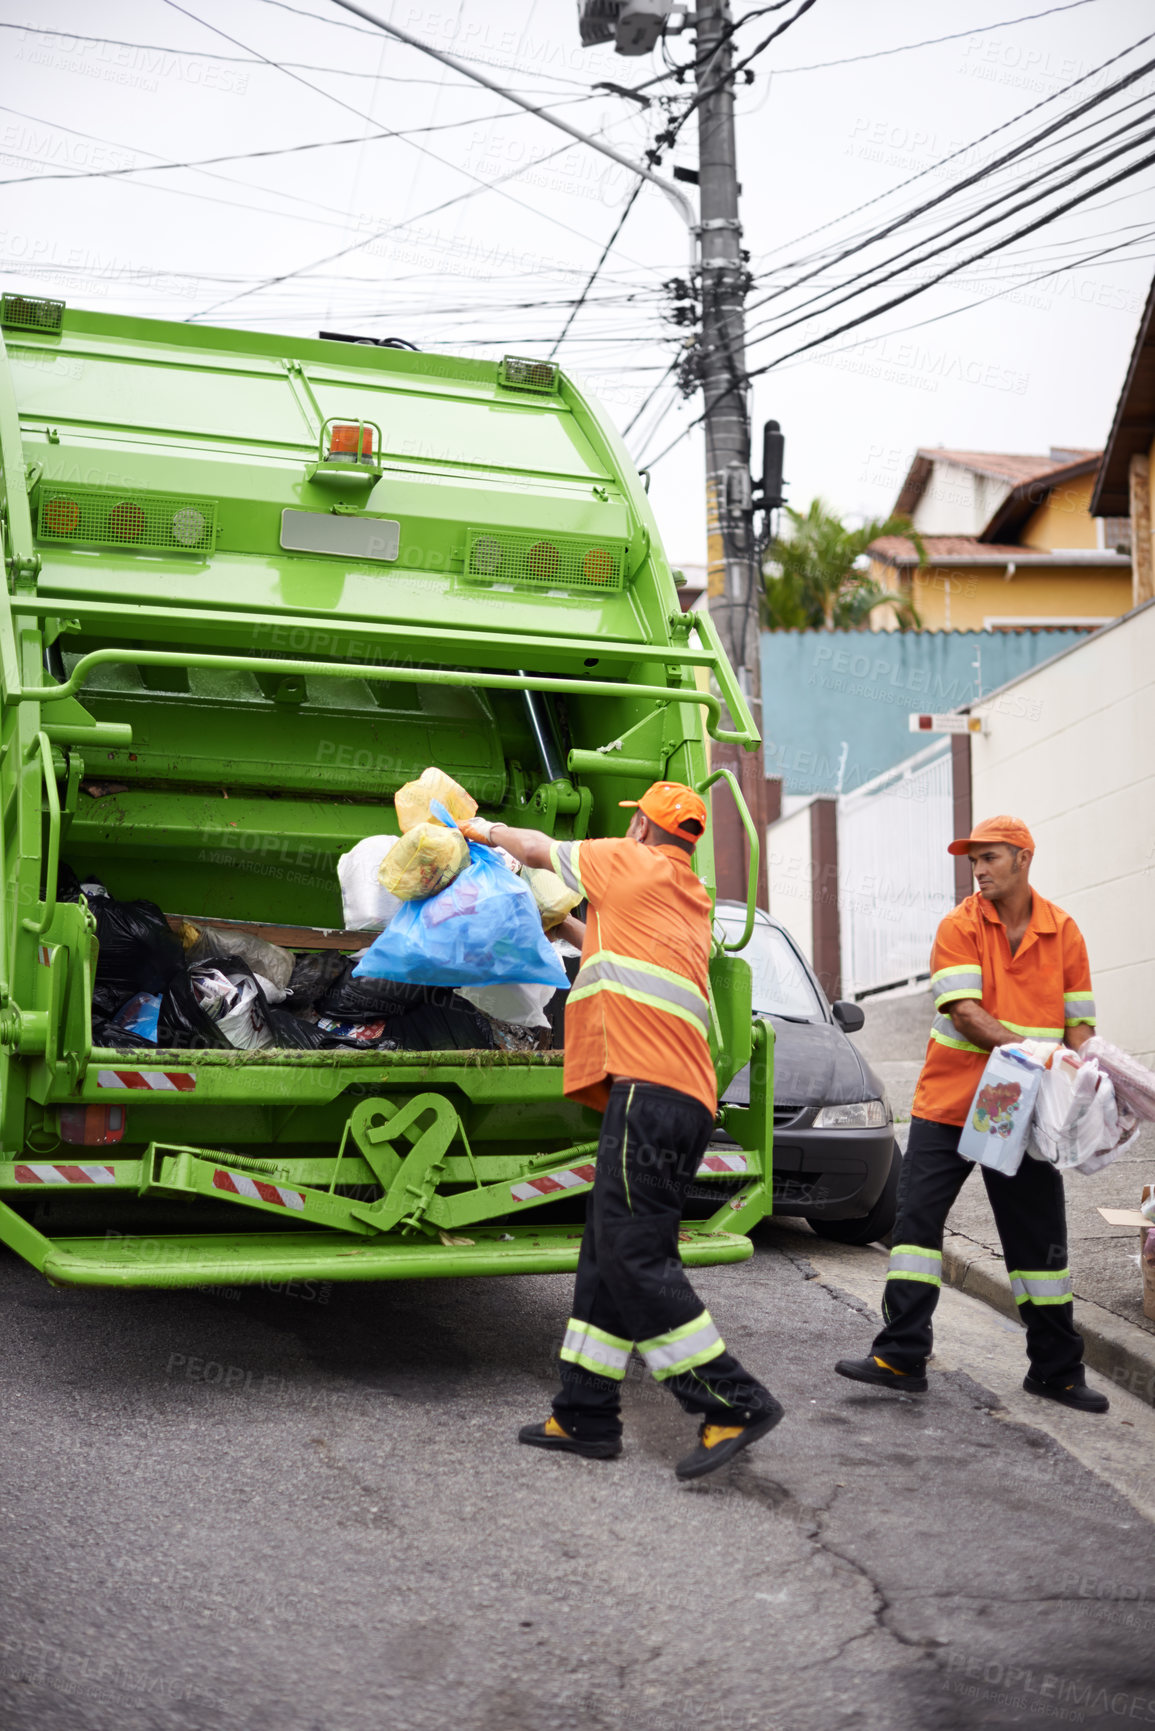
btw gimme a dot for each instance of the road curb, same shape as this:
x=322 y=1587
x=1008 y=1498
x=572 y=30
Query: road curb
x=1113 y=1346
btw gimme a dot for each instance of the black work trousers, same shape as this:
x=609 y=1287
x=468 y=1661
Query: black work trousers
x=631 y=1289
x=1031 y=1217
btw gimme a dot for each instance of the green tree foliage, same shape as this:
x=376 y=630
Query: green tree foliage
x=812 y=580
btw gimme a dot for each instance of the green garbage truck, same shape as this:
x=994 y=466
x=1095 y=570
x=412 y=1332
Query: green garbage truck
x=255 y=584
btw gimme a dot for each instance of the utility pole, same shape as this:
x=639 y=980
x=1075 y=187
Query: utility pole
x=733 y=577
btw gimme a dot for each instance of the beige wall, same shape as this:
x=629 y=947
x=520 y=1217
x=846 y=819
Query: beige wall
x=953 y=599
x=788 y=857
x=1064 y=519
x=1070 y=751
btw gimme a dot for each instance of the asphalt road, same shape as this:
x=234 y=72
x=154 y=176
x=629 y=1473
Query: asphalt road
x=308 y=1512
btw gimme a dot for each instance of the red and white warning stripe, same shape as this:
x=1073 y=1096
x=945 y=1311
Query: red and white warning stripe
x=257 y=1190
x=64 y=1175
x=551 y=1182
x=44 y=955
x=182 y=1081
x=723 y=1163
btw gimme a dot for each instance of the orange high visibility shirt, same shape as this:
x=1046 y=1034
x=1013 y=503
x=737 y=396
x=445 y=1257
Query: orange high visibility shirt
x=1038 y=992
x=639 y=1006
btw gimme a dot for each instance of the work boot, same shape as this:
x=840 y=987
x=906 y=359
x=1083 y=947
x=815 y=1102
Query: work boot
x=550 y=1435
x=719 y=1443
x=881 y=1375
x=1073 y=1394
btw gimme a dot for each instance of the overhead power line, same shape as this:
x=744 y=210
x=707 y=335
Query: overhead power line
x=979 y=174
x=593 y=276
x=962 y=150
x=248 y=155
x=255 y=60
x=801 y=316
x=921 y=288
x=932 y=41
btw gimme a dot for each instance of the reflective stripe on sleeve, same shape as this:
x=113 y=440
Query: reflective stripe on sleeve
x=594 y=1349
x=1079 y=1007
x=912 y=1262
x=949 y=984
x=643 y=982
x=1042 y=1285
x=564 y=859
x=942 y=1029
x=682 y=1348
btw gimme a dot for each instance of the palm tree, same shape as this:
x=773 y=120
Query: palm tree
x=816 y=577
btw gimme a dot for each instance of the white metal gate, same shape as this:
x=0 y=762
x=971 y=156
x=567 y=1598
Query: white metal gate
x=895 y=877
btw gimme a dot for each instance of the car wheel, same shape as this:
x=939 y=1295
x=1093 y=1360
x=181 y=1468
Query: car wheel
x=878 y=1223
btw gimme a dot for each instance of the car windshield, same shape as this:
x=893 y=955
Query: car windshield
x=781 y=984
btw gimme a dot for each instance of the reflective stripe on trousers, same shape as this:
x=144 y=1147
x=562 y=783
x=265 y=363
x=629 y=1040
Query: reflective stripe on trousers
x=644 y=983
x=911 y=1262
x=1042 y=1285
x=682 y=1348
x=594 y=1349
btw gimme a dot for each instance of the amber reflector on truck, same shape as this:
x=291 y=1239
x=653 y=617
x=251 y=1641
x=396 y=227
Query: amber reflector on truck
x=152 y=522
x=30 y=313
x=506 y=557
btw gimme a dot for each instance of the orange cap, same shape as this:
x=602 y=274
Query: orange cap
x=1012 y=830
x=673 y=806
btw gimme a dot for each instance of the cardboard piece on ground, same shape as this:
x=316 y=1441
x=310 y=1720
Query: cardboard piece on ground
x=1125 y=1217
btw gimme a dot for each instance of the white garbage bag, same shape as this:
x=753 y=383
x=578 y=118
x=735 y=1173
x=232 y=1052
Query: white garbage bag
x=1078 y=1124
x=524 y=1006
x=367 y=906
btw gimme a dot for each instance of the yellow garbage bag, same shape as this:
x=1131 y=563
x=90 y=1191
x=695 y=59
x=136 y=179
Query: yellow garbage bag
x=412 y=802
x=423 y=861
x=554 y=900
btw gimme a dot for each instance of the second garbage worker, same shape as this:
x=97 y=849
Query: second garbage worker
x=636 y=1051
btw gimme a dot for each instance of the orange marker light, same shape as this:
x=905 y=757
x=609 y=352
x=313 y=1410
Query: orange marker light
x=343 y=441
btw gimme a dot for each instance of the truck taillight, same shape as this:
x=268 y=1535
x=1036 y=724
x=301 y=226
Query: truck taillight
x=91 y=1126
x=343 y=441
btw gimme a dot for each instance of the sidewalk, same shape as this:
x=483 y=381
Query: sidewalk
x=1120 y=1340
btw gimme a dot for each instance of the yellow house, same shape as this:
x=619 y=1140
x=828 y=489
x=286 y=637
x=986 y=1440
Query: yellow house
x=1123 y=484
x=1009 y=541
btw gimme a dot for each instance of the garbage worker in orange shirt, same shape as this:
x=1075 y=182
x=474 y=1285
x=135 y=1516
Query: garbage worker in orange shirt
x=636 y=1051
x=1006 y=966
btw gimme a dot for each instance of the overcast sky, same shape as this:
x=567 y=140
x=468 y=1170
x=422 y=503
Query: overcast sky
x=244 y=242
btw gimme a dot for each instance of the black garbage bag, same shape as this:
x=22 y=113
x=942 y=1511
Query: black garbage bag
x=139 y=952
x=182 y=1022
x=450 y=1027
x=314 y=973
x=67 y=883
x=351 y=1000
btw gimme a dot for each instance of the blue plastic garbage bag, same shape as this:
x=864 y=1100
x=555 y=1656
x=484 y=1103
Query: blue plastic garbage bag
x=484 y=929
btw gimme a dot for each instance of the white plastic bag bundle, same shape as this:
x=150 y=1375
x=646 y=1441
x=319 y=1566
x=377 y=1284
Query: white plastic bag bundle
x=524 y=1006
x=1077 y=1125
x=233 y=1005
x=367 y=906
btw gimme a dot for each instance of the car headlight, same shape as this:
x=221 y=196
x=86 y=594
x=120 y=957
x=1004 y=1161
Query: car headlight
x=863 y=1115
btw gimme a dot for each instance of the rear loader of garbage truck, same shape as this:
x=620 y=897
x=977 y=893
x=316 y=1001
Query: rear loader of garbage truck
x=255 y=585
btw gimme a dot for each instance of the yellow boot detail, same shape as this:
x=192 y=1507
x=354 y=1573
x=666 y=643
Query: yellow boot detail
x=713 y=1434
x=552 y=1428
x=890 y=1367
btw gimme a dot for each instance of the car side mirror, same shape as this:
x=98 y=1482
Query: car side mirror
x=850 y=1017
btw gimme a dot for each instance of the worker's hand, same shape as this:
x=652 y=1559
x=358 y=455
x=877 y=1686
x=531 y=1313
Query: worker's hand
x=479 y=829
